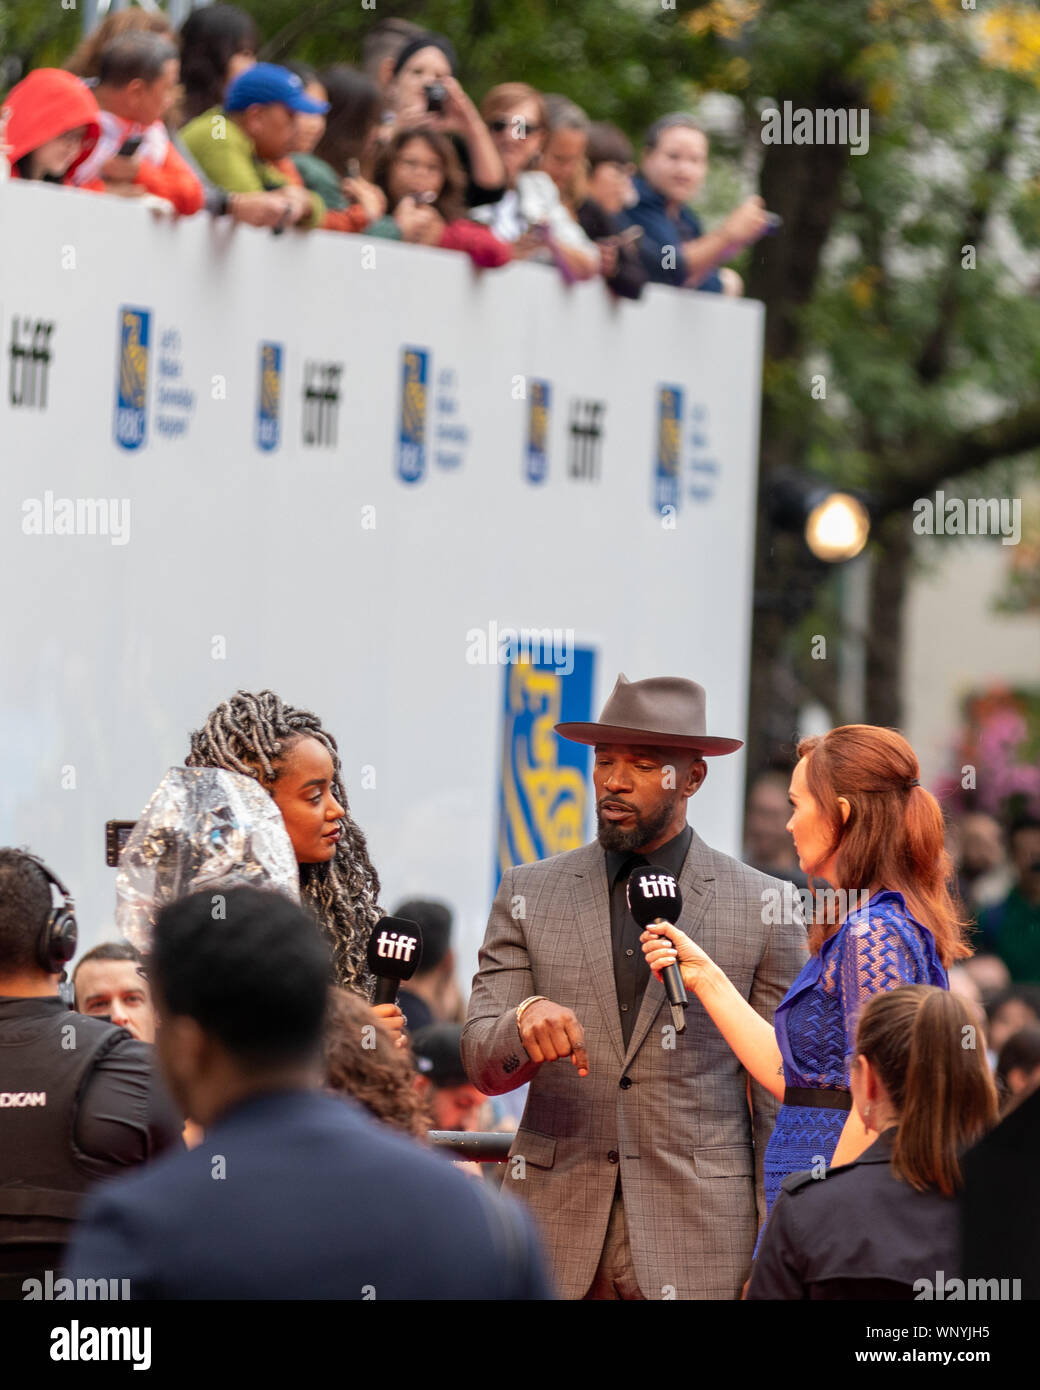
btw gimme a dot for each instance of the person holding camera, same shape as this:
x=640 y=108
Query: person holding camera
x=422 y=183
x=80 y=1096
x=425 y=94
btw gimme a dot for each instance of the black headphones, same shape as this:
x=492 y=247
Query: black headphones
x=56 y=943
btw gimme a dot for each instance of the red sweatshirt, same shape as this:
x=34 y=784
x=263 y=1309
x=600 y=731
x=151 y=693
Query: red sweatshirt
x=45 y=104
x=481 y=244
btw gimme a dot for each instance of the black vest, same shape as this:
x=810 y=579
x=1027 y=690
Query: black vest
x=45 y=1064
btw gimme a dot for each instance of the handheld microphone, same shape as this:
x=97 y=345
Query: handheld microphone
x=394 y=953
x=655 y=897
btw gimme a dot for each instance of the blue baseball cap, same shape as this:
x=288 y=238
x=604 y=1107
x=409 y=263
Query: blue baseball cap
x=266 y=83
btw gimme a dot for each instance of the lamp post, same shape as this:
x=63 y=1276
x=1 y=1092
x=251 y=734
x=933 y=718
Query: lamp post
x=809 y=531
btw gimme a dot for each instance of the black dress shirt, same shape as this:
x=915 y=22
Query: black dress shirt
x=631 y=972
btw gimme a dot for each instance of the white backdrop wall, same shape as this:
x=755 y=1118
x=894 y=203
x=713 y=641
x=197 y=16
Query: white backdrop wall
x=314 y=568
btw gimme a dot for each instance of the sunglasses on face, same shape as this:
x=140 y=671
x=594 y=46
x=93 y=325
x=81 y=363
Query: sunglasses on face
x=502 y=125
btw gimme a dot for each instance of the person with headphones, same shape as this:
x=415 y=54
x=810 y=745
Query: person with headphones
x=80 y=1098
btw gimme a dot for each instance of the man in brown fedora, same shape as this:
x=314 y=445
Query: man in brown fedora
x=640 y=1146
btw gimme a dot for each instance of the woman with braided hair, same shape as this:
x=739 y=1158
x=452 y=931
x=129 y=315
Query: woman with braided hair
x=297 y=762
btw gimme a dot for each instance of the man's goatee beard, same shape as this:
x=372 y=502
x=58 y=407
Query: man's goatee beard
x=613 y=836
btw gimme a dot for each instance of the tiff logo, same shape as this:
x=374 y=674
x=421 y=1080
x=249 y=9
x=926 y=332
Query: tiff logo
x=390 y=946
x=30 y=360
x=321 y=403
x=586 y=439
x=657 y=885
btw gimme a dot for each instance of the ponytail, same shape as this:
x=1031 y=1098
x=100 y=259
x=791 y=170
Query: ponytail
x=930 y=1057
x=894 y=833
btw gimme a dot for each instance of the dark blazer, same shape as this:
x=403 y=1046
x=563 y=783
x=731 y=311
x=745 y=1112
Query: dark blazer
x=859 y=1232
x=298 y=1194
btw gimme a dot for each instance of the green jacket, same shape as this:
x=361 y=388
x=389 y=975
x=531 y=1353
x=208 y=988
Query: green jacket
x=322 y=179
x=228 y=158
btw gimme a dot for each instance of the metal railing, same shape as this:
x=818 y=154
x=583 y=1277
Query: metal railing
x=477 y=1147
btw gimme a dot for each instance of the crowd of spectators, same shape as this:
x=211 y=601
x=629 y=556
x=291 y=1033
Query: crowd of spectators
x=191 y=122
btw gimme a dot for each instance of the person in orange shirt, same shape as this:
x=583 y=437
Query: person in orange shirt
x=134 y=155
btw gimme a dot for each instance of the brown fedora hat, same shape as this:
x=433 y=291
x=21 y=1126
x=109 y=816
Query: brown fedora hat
x=663 y=712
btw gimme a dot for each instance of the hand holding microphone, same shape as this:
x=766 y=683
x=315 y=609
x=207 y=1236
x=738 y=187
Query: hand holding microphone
x=655 y=901
x=394 y=953
x=666 y=947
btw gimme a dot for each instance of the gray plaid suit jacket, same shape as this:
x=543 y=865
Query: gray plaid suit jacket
x=671 y=1112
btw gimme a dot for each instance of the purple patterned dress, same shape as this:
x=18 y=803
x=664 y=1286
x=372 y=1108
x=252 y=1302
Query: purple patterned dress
x=879 y=946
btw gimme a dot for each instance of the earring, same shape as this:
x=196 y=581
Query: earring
x=866 y=1116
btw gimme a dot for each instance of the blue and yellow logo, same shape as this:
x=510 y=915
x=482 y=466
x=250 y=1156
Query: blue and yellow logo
x=537 y=460
x=669 y=447
x=269 y=400
x=543 y=794
x=411 y=436
x=131 y=420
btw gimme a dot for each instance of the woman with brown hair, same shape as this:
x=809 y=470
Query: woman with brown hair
x=862 y=822
x=420 y=175
x=362 y=1062
x=529 y=214
x=887 y=1221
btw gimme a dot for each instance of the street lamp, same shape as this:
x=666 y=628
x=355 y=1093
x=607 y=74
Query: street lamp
x=837 y=527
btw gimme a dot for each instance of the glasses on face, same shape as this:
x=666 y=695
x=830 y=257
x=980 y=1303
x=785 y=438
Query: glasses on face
x=525 y=129
x=419 y=166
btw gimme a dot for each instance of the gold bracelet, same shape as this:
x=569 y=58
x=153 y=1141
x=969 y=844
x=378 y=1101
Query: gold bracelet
x=531 y=999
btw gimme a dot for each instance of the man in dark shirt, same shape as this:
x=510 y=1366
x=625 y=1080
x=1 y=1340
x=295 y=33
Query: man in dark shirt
x=638 y=1145
x=80 y=1097
x=675 y=248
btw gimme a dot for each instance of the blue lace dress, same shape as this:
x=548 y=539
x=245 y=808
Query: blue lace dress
x=879 y=946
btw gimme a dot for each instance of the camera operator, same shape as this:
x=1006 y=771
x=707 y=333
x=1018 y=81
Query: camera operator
x=79 y=1096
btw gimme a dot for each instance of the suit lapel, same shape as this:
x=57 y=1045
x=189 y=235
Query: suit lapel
x=592 y=916
x=697 y=884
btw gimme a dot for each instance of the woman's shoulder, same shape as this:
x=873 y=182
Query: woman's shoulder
x=885 y=910
x=885 y=919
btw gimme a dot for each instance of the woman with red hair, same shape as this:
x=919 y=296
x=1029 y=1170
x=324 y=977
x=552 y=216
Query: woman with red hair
x=862 y=822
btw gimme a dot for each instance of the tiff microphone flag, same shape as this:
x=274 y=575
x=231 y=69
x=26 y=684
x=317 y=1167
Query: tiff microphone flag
x=654 y=897
x=394 y=953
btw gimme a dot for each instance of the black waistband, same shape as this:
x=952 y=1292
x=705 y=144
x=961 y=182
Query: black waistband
x=824 y=1100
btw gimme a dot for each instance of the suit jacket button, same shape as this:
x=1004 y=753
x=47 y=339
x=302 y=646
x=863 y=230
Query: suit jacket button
x=613 y=1156
x=625 y=1082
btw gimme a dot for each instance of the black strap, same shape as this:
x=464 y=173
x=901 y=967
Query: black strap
x=821 y=1100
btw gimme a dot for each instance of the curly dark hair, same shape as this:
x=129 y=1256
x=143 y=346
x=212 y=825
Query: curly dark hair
x=251 y=734
x=362 y=1062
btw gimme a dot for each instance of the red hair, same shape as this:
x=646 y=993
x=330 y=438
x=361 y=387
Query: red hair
x=894 y=834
